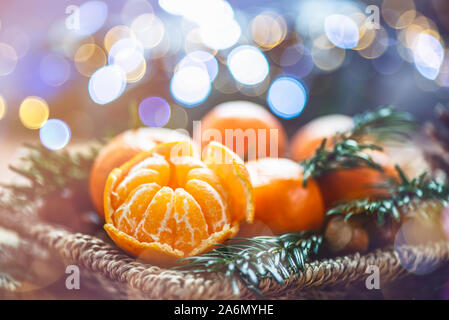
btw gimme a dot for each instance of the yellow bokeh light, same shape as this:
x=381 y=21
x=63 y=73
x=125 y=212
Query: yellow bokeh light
x=115 y=34
x=393 y=12
x=137 y=73
x=33 y=112
x=71 y=44
x=2 y=107
x=268 y=30
x=366 y=35
x=406 y=19
x=89 y=58
x=325 y=55
x=378 y=46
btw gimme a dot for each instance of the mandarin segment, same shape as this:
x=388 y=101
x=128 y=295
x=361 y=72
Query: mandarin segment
x=130 y=213
x=132 y=181
x=211 y=203
x=120 y=150
x=191 y=226
x=231 y=170
x=182 y=166
x=186 y=212
x=158 y=223
x=207 y=175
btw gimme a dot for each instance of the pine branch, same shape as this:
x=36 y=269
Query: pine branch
x=8 y=283
x=403 y=195
x=254 y=259
x=47 y=171
x=349 y=149
x=384 y=123
x=343 y=155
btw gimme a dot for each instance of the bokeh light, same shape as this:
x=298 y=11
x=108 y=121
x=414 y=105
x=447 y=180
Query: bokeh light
x=268 y=29
x=2 y=107
x=415 y=232
x=366 y=35
x=398 y=14
x=172 y=6
x=178 y=117
x=154 y=111
x=54 y=134
x=297 y=60
x=8 y=59
x=201 y=59
x=443 y=77
x=66 y=43
x=248 y=65
x=54 y=70
x=190 y=85
x=107 y=84
x=128 y=54
x=287 y=97
x=428 y=55
x=220 y=36
x=92 y=16
x=33 y=112
x=148 y=29
x=312 y=14
x=378 y=45
x=134 y=8
x=88 y=58
x=342 y=31
x=17 y=39
x=326 y=56
x=115 y=34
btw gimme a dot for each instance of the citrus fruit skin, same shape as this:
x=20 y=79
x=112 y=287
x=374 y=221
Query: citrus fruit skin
x=309 y=138
x=351 y=184
x=168 y=203
x=345 y=184
x=281 y=201
x=247 y=124
x=121 y=149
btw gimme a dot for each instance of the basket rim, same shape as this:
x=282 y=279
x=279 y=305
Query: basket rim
x=154 y=282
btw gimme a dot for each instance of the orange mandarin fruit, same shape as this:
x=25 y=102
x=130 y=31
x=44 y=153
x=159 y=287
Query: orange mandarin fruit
x=351 y=184
x=169 y=203
x=246 y=128
x=121 y=149
x=345 y=184
x=309 y=138
x=281 y=201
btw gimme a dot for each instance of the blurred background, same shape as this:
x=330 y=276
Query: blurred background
x=72 y=70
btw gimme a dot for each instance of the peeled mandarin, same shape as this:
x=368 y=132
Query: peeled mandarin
x=121 y=149
x=181 y=211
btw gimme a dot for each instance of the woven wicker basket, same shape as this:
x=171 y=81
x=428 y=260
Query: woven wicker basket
x=109 y=270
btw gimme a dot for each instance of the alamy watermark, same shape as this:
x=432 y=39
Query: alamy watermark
x=373 y=280
x=373 y=19
x=72 y=21
x=72 y=282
